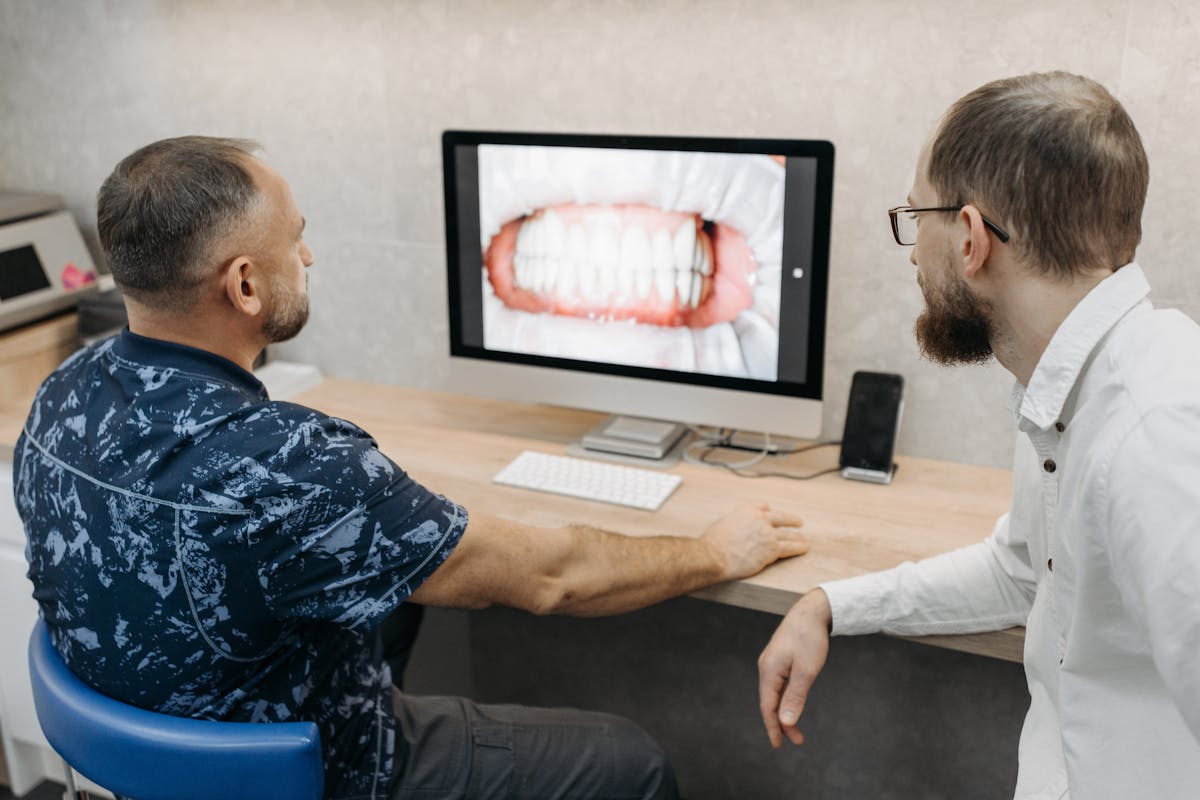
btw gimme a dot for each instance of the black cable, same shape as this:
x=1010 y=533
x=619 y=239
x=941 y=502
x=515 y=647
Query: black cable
x=724 y=440
x=743 y=474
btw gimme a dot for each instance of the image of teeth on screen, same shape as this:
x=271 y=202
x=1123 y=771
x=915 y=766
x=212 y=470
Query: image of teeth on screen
x=660 y=259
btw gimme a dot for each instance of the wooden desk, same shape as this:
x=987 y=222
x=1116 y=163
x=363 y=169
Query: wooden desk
x=455 y=444
x=27 y=356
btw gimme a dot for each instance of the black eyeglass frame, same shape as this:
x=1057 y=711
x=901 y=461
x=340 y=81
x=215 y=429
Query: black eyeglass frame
x=1001 y=234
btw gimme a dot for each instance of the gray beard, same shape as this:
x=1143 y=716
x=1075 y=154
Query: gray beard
x=287 y=319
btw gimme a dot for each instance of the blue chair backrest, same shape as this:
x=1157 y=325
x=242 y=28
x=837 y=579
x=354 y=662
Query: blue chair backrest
x=150 y=756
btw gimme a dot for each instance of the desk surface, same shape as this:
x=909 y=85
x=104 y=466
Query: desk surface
x=455 y=444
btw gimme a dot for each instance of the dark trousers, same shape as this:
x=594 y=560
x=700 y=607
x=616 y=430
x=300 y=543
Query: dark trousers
x=459 y=749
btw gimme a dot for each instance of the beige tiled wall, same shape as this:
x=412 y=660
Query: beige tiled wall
x=349 y=99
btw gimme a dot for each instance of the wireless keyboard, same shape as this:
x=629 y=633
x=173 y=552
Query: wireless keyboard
x=589 y=480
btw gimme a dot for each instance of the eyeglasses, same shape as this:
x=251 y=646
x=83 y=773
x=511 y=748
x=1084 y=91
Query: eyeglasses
x=904 y=223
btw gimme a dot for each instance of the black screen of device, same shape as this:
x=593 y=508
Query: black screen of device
x=21 y=272
x=871 y=418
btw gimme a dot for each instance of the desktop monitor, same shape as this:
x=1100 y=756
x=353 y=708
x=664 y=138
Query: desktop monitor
x=667 y=277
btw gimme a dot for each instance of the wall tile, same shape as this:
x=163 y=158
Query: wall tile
x=387 y=289
x=1161 y=87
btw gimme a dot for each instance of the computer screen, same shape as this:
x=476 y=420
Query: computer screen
x=685 y=262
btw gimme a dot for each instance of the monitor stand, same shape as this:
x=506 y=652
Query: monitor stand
x=633 y=440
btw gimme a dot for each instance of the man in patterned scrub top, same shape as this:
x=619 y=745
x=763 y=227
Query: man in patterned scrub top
x=201 y=550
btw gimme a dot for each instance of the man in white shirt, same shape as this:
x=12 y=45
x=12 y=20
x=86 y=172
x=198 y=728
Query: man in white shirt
x=1024 y=216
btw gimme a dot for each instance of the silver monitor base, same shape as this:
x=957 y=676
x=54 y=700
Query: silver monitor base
x=633 y=440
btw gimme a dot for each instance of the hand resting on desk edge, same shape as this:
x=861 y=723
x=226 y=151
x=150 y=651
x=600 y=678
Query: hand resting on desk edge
x=584 y=571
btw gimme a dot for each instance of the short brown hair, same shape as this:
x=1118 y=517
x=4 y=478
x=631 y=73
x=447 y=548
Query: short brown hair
x=165 y=206
x=1056 y=159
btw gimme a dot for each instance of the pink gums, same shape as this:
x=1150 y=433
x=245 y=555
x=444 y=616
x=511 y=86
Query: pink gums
x=725 y=293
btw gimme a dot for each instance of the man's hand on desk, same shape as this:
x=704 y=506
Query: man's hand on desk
x=789 y=665
x=584 y=571
x=752 y=537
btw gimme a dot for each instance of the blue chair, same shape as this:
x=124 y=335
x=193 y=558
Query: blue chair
x=141 y=754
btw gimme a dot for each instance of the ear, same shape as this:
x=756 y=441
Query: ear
x=976 y=243
x=242 y=286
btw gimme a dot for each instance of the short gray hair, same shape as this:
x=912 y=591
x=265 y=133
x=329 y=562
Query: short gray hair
x=164 y=208
x=1056 y=159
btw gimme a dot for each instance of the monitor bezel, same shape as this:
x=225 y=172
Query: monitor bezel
x=820 y=150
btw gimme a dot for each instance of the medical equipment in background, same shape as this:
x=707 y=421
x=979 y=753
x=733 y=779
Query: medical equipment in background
x=45 y=265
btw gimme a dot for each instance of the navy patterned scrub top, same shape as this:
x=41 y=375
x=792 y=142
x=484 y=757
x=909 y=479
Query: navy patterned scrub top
x=200 y=550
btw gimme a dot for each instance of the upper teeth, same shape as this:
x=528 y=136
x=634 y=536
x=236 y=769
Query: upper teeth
x=601 y=260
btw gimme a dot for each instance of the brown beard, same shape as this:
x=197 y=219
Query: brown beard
x=288 y=315
x=955 y=327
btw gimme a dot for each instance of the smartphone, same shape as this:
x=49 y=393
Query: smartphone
x=872 y=423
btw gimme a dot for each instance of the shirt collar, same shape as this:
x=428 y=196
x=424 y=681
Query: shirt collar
x=143 y=350
x=1041 y=403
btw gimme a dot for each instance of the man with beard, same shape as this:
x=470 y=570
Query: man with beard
x=200 y=550
x=1024 y=215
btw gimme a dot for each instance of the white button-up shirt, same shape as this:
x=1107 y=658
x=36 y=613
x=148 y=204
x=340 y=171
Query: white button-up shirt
x=1099 y=556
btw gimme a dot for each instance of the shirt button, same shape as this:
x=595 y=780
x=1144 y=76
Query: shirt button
x=1058 y=426
x=1050 y=564
x=1049 y=465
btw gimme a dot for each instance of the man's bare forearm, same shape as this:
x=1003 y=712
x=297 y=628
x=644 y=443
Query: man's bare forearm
x=607 y=573
x=585 y=571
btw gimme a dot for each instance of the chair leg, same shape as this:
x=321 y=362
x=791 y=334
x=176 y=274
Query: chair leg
x=72 y=793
